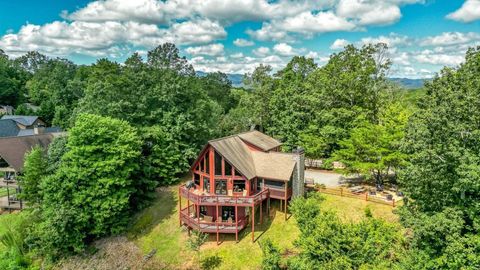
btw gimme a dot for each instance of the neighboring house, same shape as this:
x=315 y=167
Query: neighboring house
x=18 y=135
x=232 y=176
x=25 y=121
x=6 y=109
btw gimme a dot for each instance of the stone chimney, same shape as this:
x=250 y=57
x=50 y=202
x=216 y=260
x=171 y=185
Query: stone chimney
x=298 y=184
x=38 y=130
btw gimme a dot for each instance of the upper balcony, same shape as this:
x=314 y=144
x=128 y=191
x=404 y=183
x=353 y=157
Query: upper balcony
x=202 y=198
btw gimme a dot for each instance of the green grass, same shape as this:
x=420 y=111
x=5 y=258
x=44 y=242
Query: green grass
x=158 y=228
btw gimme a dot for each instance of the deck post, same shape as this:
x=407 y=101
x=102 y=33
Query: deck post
x=236 y=221
x=286 y=188
x=261 y=213
x=217 y=222
x=180 y=206
x=268 y=205
x=253 y=222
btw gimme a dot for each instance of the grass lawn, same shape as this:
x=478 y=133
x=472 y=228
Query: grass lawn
x=157 y=228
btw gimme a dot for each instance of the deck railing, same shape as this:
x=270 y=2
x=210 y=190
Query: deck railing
x=204 y=226
x=208 y=199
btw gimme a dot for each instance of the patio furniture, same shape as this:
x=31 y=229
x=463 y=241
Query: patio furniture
x=230 y=220
x=208 y=218
x=244 y=193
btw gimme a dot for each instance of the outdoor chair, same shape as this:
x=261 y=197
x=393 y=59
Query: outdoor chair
x=208 y=218
x=229 y=220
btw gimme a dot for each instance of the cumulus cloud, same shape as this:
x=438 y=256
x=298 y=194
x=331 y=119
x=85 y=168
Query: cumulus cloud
x=392 y=40
x=284 y=49
x=211 y=50
x=450 y=38
x=103 y=38
x=468 y=12
x=240 y=42
x=261 y=51
x=370 y=12
x=339 y=44
x=431 y=57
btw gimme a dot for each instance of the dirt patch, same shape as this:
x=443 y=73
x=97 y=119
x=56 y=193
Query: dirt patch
x=114 y=253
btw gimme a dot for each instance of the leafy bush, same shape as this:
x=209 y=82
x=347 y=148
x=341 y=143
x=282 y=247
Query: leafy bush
x=271 y=255
x=196 y=240
x=210 y=262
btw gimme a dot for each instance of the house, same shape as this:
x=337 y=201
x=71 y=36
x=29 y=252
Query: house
x=233 y=176
x=25 y=121
x=6 y=109
x=17 y=137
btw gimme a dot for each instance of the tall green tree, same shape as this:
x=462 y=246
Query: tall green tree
x=442 y=179
x=12 y=82
x=89 y=195
x=33 y=173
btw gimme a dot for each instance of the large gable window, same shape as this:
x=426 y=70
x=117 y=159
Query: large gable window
x=206 y=184
x=238 y=185
x=218 y=164
x=228 y=168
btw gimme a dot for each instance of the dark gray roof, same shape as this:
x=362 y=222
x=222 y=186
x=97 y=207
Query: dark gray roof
x=25 y=120
x=8 y=128
x=13 y=149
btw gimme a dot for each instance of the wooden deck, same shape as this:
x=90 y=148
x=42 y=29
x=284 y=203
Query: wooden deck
x=211 y=227
x=207 y=199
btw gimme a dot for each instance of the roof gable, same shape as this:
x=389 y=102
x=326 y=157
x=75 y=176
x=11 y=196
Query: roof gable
x=24 y=120
x=260 y=140
x=8 y=128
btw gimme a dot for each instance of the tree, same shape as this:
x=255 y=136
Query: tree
x=12 y=82
x=89 y=194
x=325 y=242
x=374 y=149
x=218 y=87
x=33 y=173
x=352 y=83
x=166 y=56
x=271 y=256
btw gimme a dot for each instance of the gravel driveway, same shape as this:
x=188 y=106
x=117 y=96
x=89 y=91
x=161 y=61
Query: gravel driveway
x=328 y=178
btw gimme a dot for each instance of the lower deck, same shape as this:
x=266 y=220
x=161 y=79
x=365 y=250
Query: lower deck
x=209 y=224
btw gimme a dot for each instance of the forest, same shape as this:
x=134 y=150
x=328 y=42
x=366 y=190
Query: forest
x=137 y=125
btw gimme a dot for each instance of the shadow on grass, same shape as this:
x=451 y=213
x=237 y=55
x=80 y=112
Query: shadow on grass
x=162 y=208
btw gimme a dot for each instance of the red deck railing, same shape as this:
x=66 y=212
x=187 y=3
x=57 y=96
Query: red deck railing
x=208 y=199
x=211 y=227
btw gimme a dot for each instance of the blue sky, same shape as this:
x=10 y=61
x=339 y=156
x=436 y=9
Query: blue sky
x=234 y=36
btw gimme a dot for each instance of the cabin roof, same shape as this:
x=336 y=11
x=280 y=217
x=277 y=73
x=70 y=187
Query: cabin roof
x=13 y=149
x=8 y=128
x=251 y=163
x=25 y=120
x=260 y=140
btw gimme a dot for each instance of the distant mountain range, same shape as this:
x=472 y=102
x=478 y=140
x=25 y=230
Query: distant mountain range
x=236 y=80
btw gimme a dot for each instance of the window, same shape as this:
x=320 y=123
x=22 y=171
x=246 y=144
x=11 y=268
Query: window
x=228 y=168
x=228 y=212
x=203 y=210
x=274 y=184
x=196 y=179
x=237 y=173
x=221 y=187
x=206 y=184
x=3 y=163
x=238 y=185
x=201 y=165
x=218 y=164
x=207 y=163
x=259 y=184
x=252 y=186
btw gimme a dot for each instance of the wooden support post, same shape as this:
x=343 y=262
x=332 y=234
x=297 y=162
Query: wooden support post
x=366 y=196
x=341 y=192
x=268 y=206
x=281 y=205
x=261 y=213
x=180 y=206
x=253 y=222
x=286 y=198
x=198 y=213
x=236 y=221
x=393 y=202
x=217 y=223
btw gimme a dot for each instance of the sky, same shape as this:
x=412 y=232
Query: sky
x=235 y=36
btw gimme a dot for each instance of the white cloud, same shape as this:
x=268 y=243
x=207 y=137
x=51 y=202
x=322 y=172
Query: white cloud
x=284 y=49
x=339 y=44
x=430 y=57
x=240 y=42
x=106 y=38
x=268 y=32
x=211 y=50
x=468 y=12
x=392 y=40
x=321 y=22
x=450 y=38
x=261 y=51
x=237 y=55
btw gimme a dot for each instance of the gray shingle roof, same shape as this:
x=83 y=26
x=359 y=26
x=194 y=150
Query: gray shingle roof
x=25 y=120
x=260 y=140
x=8 y=128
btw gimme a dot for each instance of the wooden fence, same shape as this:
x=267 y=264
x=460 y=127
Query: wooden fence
x=344 y=192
